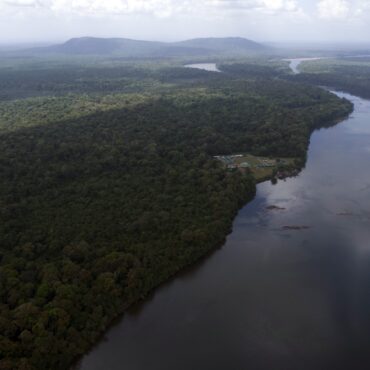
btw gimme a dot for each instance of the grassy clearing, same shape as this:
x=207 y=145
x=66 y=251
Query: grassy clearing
x=262 y=168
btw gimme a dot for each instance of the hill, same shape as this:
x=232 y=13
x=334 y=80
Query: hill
x=138 y=48
x=101 y=46
x=230 y=44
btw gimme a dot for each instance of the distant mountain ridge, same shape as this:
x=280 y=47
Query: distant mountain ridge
x=137 y=48
x=226 y=43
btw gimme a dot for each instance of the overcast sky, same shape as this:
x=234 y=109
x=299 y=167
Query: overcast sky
x=261 y=20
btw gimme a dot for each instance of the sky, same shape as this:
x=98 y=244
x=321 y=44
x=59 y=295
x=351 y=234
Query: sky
x=23 y=21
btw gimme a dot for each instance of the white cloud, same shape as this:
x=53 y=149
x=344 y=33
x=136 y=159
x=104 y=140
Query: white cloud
x=146 y=19
x=178 y=19
x=159 y=8
x=16 y=3
x=275 y=4
x=362 y=8
x=333 y=9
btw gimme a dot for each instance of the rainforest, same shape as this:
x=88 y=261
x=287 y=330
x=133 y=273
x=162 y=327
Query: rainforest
x=109 y=185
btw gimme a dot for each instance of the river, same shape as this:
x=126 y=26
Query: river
x=270 y=298
x=295 y=62
x=210 y=67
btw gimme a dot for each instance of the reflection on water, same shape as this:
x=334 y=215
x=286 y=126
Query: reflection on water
x=271 y=299
x=211 y=67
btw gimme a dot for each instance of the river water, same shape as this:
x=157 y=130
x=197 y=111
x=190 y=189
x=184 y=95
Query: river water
x=271 y=298
x=295 y=62
x=210 y=67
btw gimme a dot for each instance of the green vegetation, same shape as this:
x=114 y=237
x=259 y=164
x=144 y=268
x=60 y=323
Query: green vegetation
x=255 y=68
x=107 y=192
x=348 y=74
x=262 y=168
x=39 y=111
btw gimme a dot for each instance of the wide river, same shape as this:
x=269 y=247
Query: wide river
x=270 y=298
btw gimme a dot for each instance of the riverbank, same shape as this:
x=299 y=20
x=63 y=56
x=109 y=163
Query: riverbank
x=196 y=258
x=245 y=305
x=108 y=204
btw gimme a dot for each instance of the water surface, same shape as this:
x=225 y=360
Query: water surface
x=295 y=62
x=271 y=299
x=210 y=67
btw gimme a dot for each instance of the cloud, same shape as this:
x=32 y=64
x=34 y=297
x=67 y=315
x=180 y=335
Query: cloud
x=20 y=3
x=175 y=19
x=160 y=8
x=287 y=5
x=333 y=9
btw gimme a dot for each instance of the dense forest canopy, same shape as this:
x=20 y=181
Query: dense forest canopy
x=108 y=186
x=350 y=74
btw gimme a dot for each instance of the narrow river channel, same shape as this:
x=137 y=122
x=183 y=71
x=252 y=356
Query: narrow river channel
x=271 y=298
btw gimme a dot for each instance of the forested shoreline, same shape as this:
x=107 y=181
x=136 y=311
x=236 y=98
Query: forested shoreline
x=103 y=198
x=347 y=74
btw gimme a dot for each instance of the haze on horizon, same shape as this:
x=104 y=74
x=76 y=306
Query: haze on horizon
x=23 y=21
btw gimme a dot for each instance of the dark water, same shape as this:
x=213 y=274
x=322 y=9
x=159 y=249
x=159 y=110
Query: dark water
x=271 y=299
